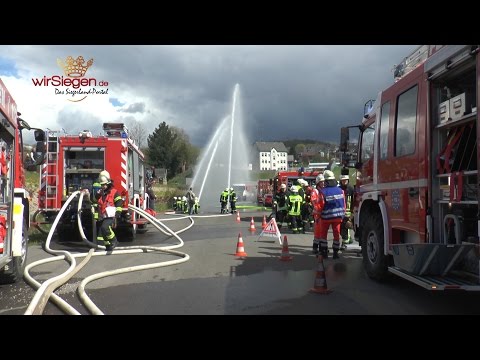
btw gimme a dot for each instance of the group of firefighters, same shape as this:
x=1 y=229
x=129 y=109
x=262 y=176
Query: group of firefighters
x=329 y=203
x=226 y=196
x=187 y=204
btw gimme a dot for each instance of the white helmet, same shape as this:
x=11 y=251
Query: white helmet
x=329 y=175
x=283 y=186
x=294 y=189
x=104 y=173
x=174 y=198
x=344 y=177
x=226 y=189
x=319 y=178
x=103 y=180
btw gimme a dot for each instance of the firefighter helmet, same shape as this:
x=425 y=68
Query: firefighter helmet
x=294 y=189
x=344 y=177
x=105 y=173
x=319 y=178
x=103 y=179
x=283 y=186
x=329 y=175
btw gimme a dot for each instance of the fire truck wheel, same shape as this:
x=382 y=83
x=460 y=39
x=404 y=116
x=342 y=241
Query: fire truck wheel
x=374 y=260
x=17 y=265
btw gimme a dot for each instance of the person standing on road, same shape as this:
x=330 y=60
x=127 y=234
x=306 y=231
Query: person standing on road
x=315 y=199
x=190 y=200
x=223 y=201
x=233 y=200
x=110 y=206
x=332 y=211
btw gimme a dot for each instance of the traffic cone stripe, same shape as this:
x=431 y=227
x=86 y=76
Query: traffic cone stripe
x=240 y=249
x=264 y=222
x=252 y=225
x=285 y=253
x=320 y=283
x=238 y=216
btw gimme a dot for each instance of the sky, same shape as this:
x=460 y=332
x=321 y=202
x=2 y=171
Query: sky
x=286 y=91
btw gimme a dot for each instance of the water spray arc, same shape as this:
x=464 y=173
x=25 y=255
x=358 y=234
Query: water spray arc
x=235 y=92
x=225 y=159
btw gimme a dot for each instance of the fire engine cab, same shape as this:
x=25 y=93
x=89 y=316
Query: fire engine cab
x=14 y=199
x=417 y=193
x=73 y=162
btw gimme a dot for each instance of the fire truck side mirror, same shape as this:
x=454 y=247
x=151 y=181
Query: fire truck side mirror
x=344 y=138
x=39 y=153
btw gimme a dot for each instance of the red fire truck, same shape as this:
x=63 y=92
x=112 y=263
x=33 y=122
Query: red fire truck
x=290 y=178
x=73 y=162
x=417 y=192
x=14 y=199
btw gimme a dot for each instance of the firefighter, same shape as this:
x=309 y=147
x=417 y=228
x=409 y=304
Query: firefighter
x=110 y=208
x=281 y=206
x=347 y=220
x=306 y=205
x=294 y=209
x=95 y=189
x=332 y=211
x=174 y=203
x=315 y=199
x=184 y=204
x=233 y=200
x=196 y=206
x=179 y=204
x=190 y=196
x=151 y=194
x=223 y=201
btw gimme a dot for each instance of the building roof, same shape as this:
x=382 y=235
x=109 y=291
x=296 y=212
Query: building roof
x=268 y=145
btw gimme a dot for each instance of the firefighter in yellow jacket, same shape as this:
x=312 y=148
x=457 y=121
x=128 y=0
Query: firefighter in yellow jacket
x=109 y=209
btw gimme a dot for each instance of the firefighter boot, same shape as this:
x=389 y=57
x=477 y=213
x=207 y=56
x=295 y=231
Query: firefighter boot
x=315 y=249
x=335 y=254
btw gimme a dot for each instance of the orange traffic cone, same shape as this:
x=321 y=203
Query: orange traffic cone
x=264 y=222
x=252 y=225
x=285 y=254
x=238 y=216
x=320 y=284
x=240 y=250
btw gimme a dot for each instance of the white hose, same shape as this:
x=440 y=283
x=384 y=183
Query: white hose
x=119 y=250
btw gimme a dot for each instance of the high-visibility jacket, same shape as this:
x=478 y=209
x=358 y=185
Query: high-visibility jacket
x=294 y=204
x=224 y=196
x=332 y=203
x=110 y=202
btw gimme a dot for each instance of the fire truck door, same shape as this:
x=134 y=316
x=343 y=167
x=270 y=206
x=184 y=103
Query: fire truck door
x=405 y=171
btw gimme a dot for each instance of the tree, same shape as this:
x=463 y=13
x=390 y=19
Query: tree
x=136 y=131
x=170 y=147
x=300 y=149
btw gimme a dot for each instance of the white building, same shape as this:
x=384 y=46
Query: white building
x=269 y=156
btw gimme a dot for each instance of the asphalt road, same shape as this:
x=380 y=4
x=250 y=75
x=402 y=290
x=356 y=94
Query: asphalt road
x=215 y=282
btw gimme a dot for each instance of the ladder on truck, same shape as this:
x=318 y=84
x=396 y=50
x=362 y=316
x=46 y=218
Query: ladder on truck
x=49 y=176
